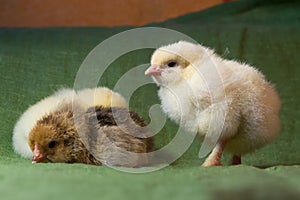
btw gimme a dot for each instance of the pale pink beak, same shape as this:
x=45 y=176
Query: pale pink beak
x=153 y=70
x=37 y=155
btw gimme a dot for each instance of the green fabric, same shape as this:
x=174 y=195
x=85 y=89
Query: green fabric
x=34 y=62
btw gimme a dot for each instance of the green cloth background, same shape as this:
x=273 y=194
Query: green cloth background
x=34 y=62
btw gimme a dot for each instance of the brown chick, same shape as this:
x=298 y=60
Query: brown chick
x=91 y=137
x=85 y=98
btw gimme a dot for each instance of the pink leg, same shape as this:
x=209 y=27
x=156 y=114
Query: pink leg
x=214 y=158
x=236 y=160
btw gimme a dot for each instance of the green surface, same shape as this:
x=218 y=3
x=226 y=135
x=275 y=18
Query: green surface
x=36 y=62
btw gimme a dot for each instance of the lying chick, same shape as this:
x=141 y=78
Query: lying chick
x=35 y=112
x=99 y=139
x=198 y=87
x=100 y=96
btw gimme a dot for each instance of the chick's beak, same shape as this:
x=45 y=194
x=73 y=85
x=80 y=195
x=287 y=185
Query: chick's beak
x=153 y=70
x=37 y=155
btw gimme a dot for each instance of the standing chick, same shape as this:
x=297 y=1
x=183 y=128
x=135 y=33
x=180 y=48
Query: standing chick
x=92 y=137
x=198 y=87
x=86 y=98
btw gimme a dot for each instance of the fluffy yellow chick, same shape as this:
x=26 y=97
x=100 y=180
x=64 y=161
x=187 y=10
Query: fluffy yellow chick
x=86 y=98
x=220 y=99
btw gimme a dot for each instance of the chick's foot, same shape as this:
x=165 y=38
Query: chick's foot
x=214 y=159
x=236 y=160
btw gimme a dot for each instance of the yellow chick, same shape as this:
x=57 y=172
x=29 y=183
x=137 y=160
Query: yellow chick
x=220 y=99
x=100 y=96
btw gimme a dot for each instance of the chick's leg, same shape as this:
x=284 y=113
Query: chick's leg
x=236 y=160
x=214 y=158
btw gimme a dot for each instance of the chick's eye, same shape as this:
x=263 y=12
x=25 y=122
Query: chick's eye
x=172 y=64
x=51 y=144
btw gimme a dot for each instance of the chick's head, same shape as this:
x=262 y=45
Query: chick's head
x=54 y=139
x=175 y=62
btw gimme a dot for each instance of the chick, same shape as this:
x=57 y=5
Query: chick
x=198 y=87
x=96 y=137
x=35 y=112
x=86 y=98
